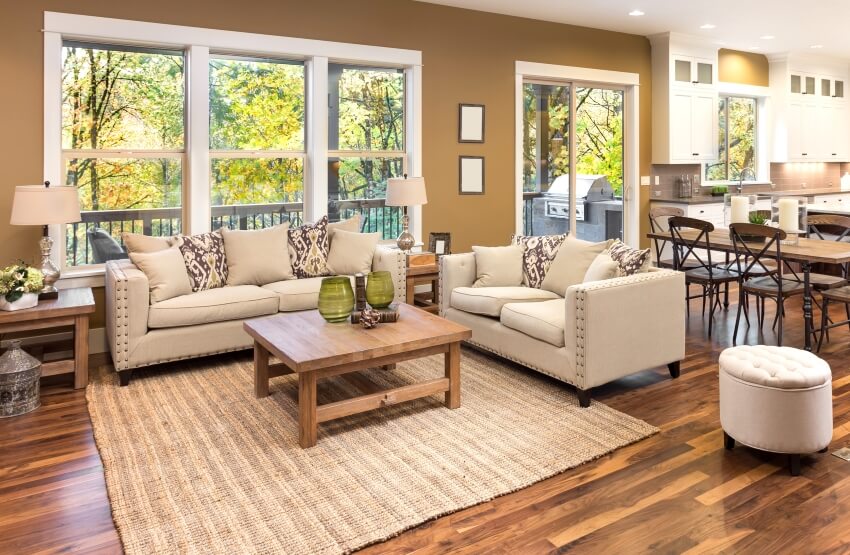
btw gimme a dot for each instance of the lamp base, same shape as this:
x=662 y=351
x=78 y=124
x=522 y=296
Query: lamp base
x=48 y=269
x=406 y=240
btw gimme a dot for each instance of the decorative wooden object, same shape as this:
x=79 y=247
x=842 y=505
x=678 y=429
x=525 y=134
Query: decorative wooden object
x=421 y=275
x=359 y=297
x=71 y=307
x=313 y=349
x=421 y=259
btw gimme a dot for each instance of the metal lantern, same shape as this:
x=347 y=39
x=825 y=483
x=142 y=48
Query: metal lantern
x=19 y=381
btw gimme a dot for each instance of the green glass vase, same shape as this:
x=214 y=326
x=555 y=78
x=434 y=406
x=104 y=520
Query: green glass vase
x=380 y=290
x=336 y=299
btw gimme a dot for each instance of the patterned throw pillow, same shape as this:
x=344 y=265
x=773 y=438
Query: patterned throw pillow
x=205 y=261
x=630 y=261
x=538 y=254
x=308 y=249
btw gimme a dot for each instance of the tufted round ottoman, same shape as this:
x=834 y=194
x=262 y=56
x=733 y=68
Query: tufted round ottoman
x=776 y=399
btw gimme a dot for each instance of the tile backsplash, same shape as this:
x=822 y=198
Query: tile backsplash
x=783 y=176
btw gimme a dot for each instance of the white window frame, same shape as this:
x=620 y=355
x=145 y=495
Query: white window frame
x=198 y=42
x=762 y=97
x=582 y=76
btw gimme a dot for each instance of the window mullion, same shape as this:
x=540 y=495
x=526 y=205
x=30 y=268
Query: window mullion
x=316 y=171
x=196 y=184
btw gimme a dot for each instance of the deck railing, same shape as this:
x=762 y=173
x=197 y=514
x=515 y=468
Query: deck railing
x=375 y=217
x=528 y=212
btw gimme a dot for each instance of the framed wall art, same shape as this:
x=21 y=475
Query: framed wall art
x=471 y=176
x=471 y=123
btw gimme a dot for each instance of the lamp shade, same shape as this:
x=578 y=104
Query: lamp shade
x=406 y=191
x=41 y=205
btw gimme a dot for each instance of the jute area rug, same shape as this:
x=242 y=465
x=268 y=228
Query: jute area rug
x=195 y=464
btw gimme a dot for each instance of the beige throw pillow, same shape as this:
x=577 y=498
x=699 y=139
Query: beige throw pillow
x=570 y=265
x=136 y=242
x=351 y=253
x=498 y=266
x=166 y=273
x=257 y=257
x=603 y=267
x=352 y=225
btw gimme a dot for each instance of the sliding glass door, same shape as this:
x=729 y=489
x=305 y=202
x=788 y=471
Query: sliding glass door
x=573 y=125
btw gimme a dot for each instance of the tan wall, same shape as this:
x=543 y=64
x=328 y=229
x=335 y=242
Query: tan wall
x=746 y=68
x=468 y=57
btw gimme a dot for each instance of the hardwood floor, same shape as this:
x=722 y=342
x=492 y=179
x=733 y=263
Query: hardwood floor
x=676 y=492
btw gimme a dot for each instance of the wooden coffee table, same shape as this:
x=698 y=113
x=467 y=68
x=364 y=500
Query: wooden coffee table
x=312 y=348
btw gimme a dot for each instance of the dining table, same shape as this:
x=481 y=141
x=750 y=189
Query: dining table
x=805 y=252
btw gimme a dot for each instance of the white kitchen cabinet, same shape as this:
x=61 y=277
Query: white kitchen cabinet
x=811 y=122
x=684 y=100
x=837 y=199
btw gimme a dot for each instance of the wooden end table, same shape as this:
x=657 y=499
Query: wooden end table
x=312 y=348
x=420 y=275
x=71 y=308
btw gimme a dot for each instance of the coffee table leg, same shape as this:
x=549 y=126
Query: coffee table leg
x=307 y=431
x=261 y=371
x=453 y=374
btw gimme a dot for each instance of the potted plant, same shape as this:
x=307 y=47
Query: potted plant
x=755 y=218
x=19 y=287
x=719 y=190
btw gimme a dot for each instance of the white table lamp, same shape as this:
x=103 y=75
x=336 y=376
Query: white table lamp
x=45 y=205
x=406 y=191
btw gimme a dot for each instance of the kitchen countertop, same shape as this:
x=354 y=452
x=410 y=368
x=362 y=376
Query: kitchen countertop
x=691 y=200
x=803 y=192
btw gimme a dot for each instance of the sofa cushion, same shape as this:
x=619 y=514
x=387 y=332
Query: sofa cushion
x=137 y=242
x=544 y=321
x=488 y=301
x=498 y=266
x=629 y=261
x=165 y=271
x=571 y=263
x=205 y=260
x=351 y=253
x=257 y=257
x=213 y=305
x=298 y=294
x=538 y=253
x=351 y=225
x=603 y=267
x=308 y=249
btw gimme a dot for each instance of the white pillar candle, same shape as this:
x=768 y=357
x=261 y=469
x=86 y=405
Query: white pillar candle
x=788 y=212
x=740 y=209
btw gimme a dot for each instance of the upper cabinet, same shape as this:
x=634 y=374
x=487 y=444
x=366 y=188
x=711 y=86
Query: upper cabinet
x=684 y=100
x=811 y=122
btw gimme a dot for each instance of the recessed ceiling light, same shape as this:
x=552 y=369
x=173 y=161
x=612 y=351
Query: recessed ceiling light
x=816 y=46
x=767 y=37
x=636 y=13
x=707 y=26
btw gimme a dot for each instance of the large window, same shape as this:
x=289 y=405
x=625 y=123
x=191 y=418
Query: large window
x=366 y=136
x=257 y=114
x=736 y=140
x=227 y=129
x=123 y=144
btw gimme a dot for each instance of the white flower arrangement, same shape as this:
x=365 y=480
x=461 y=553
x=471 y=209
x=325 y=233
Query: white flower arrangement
x=18 y=279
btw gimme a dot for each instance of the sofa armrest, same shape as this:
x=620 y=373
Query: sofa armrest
x=127 y=303
x=395 y=262
x=624 y=325
x=456 y=270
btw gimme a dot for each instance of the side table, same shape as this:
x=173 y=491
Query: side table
x=71 y=308
x=420 y=275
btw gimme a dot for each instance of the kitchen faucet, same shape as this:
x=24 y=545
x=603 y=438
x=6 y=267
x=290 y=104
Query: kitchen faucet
x=741 y=178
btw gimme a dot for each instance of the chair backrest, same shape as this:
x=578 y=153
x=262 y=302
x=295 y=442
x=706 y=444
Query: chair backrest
x=834 y=226
x=691 y=247
x=659 y=223
x=103 y=246
x=753 y=244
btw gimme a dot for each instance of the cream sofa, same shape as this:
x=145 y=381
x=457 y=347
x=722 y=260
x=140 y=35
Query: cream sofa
x=601 y=331
x=207 y=322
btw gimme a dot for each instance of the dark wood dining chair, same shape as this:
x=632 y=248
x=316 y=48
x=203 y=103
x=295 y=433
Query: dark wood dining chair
x=755 y=246
x=659 y=218
x=832 y=288
x=697 y=250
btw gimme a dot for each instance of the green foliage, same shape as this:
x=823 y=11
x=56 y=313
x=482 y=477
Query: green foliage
x=17 y=279
x=599 y=134
x=756 y=218
x=719 y=190
x=740 y=115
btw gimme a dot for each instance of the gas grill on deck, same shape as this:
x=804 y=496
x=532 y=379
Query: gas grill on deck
x=599 y=214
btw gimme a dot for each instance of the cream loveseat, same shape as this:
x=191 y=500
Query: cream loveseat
x=599 y=332
x=206 y=322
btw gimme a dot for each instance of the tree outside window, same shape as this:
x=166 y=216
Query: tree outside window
x=736 y=140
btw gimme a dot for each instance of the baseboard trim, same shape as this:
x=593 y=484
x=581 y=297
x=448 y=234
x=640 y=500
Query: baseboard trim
x=97 y=340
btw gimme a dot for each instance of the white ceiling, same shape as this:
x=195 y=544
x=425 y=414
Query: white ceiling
x=795 y=24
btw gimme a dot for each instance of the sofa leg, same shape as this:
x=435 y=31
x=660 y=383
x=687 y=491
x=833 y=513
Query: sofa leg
x=674 y=368
x=728 y=441
x=583 y=397
x=124 y=377
x=794 y=464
